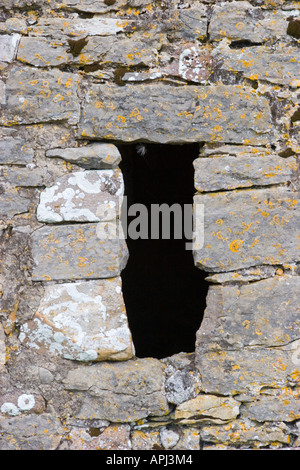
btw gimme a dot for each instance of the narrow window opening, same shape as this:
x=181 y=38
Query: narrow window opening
x=164 y=293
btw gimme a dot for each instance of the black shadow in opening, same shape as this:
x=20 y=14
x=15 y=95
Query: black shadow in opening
x=164 y=293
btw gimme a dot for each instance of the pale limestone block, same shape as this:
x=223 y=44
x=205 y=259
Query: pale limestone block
x=8 y=47
x=81 y=321
x=84 y=196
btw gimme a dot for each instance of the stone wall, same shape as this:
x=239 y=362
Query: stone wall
x=78 y=77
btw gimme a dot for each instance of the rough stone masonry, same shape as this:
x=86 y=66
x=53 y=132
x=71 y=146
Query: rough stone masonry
x=78 y=77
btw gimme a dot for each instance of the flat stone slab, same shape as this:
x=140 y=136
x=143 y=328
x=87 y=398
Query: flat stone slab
x=249 y=227
x=81 y=321
x=83 y=196
x=79 y=251
x=245 y=431
x=164 y=113
x=95 y=156
x=230 y=172
x=119 y=392
x=249 y=337
x=34 y=96
x=207 y=409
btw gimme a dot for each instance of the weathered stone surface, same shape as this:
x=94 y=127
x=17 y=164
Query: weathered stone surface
x=284 y=405
x=77 y=252
x=77 y=27
x=13 y=25
x=189 y=440
x=120 y=51
x=213 y=174
x=244 y=341
x=207 y=408
x=8 y=47
x=248 y=228
x=92 y=6
x=34 y=97
x=43 y=52
x=15 y=151
x=202 y=113
x=256 y=319
x=120 y=392
x=194 y=64
x=279 y=64
x=228 y=372
x=221 y=149
x=192 y=23
x=2 y=93
x=112 y=438
x=2 y=347
x=31 y=432
x=169 y=438
x=81 y=321
x=83 y=196
x=245 y=432
x=16 y=403
x=145 y=439
x=22 y=177
x=239 y=20
x=182 y=382
x=12 y=203
x=244 y=275
x=95 y=156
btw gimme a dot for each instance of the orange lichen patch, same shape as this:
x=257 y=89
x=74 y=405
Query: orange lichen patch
x=235 y=245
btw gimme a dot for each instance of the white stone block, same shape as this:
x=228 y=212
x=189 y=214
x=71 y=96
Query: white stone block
x=8 y=47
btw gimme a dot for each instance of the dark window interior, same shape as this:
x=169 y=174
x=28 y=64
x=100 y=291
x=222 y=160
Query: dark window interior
x=164 y=293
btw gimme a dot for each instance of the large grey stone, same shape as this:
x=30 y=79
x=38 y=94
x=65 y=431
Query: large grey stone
x=43 y=52
x=83 y=196
x=23 y=177
x=95 y=156
x=251 y=314
x=244 y=432
x=13 y=202
x=164 y=113
x=279 y=64
x=119 y=392
x=79 y=251
x=31 y=432
x=231 y=172
x=81 y=321
x=245 y=342
x=239 y=20
x=15 y=151
x=235 y=371
x=245 y=228
x=283 y=405
x=192 y=23
x=40 y=96
x=120 y=51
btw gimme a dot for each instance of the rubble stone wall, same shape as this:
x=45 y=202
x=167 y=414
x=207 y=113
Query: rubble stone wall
x=77 y=78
